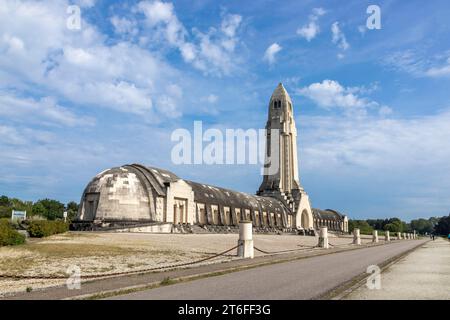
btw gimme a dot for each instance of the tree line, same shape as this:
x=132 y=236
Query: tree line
x=46 y=208
x=433 y=225
x=53 y=209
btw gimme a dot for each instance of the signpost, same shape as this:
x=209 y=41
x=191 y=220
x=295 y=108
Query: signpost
x=18 y=215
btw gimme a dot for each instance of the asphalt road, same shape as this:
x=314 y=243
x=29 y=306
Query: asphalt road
x=301 y=279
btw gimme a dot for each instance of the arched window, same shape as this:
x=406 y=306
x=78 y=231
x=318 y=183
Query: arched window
x=277 y=104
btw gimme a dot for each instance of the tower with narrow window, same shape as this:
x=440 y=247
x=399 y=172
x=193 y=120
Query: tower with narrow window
x=281 y=176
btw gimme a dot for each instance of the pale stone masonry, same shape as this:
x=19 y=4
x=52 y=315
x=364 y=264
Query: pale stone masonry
x=148 y=199
x=356 y=236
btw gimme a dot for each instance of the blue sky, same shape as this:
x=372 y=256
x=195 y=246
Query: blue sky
x=372 y=106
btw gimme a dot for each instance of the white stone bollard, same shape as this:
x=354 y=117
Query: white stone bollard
x=404 y=235
x=245 y=242
x=323 y=238
x=356 y=237
x=399 y=236
x=387 y=236
x=414 y=235
x=375 y=236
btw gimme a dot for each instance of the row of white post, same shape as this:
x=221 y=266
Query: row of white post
x=323 y=237
x=245 y=242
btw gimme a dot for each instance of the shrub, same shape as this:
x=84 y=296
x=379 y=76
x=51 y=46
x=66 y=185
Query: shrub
x=39 y=229
x=8 y=235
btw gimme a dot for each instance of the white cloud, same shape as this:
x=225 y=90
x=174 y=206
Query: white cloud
x=211 y=52
x=376 y=144
x=10 y=135
x=385 y=111
x=406 y=61
x=338 y=37
x=80 y=66
x=85 y=3
x=124 y=26
x=15 y=137
x=13 y=45
x=393 y=164
x=157 y=11
x=331 y=94
x=439 y=71
x=309 y=31
x=216 y=48
x=418 y=63
x=292 y=81
x=42 y=111
x=312 y=29
x=161 y=16
x=211 y=98
x=362 y=29
x=271 y=51
x=230 y=24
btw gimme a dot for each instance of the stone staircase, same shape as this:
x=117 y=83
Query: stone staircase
x=197 y=229
x=182 y=228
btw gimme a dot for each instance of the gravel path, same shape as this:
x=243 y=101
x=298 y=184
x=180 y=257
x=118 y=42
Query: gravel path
x=423 y=274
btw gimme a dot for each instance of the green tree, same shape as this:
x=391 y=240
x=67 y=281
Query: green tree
x=406 y=227
x=53 y=208
x=5 y=212
x=39 y=210
x=4 y=201
x=443 y=226
x=391 y=227
x=5 y=207
x=362 y=225
x=394 y=225
x=19 y=205
x=377 y=224
x=434 y=221
x=422 y=225
x=72 y=210
x=9 y=204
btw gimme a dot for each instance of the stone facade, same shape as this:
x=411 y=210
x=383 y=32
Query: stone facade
x=284 y=184
x=333 y=220
x=141 y=198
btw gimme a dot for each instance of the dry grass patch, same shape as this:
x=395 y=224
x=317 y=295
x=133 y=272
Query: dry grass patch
x=16 y=265
x=70 y=250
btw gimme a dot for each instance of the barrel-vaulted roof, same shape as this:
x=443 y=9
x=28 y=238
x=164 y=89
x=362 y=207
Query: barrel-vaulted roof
x=327 y=214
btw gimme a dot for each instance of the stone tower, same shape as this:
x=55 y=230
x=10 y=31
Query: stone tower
x=281 y=177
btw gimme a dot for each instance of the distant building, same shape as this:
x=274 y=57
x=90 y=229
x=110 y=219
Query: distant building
x=140 y=198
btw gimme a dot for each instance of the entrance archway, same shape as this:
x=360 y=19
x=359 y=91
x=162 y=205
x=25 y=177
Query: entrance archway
x=305 y=219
